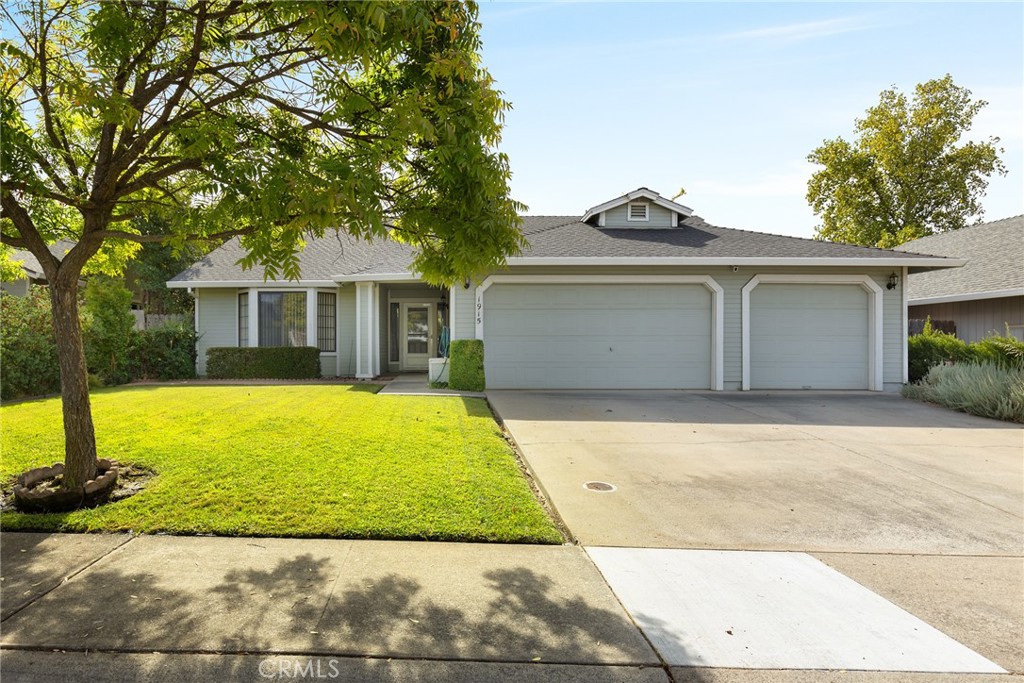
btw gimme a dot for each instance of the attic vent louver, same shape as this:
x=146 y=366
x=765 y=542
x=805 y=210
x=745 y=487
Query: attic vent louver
x=637 y=211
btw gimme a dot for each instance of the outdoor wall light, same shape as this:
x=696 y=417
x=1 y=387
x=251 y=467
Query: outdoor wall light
x=894 y=280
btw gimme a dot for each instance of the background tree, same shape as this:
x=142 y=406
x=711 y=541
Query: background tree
x=907 y=174
x=271 y=121
x=155 y=263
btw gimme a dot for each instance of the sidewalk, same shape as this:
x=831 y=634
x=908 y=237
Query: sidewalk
x=172 y=608
x=374 y=608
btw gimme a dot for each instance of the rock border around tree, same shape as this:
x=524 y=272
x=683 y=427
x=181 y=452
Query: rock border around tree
x=31 y=497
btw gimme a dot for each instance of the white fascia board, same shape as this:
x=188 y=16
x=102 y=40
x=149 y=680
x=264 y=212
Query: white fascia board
x=262 y=284
x=953 y=298
x=377 y=277
x=895 y=262
x=637 y=194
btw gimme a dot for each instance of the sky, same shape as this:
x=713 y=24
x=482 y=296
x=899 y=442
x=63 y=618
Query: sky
x=726 y=100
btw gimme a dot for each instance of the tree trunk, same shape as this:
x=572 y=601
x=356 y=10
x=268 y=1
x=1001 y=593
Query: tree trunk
x=80 y=458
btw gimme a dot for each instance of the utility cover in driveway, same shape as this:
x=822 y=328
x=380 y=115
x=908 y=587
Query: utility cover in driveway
x=770 y=610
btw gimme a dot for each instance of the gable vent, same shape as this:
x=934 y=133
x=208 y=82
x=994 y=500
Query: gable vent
x=638 y=211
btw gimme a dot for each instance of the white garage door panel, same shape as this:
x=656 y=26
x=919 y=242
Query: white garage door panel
x=808 y=336
x=564 y=336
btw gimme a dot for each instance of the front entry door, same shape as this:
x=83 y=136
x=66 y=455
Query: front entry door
x=418 y=335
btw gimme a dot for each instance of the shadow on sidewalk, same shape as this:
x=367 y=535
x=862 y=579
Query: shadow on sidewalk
x=295 y=609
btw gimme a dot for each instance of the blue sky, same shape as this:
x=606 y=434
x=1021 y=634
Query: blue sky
x=726 y=100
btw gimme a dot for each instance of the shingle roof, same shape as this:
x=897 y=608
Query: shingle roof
x=321 y=259
x=995 y=260
x=566 y=237
x=549 y=237
x=30 y=264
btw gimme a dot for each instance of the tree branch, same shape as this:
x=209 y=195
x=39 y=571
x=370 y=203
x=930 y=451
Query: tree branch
x=30 y=237
x=59 y=141
x=151 y=178
x=12 y=241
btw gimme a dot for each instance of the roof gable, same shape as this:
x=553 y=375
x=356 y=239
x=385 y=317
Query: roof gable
x=641 y=193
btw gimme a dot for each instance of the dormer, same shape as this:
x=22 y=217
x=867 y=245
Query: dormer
x=641 y=208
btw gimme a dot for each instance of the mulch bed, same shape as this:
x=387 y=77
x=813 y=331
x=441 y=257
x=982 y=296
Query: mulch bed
x=131 y=479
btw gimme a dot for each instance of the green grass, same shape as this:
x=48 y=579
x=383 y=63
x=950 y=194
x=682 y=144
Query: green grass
x=311 y=461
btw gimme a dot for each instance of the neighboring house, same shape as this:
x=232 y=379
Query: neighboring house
x=984 y=296
x=33 y=271
x=636 y=293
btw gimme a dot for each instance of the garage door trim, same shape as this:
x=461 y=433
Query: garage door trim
x=874 y=315
x=717 y=303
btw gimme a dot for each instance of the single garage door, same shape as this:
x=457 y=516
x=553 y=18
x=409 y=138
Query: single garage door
x=808 y=336
x=622 y=336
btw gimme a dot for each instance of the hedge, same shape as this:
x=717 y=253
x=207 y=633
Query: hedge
x=932 y=348
x=28 y=353
x=279 y=362
x=108 y=329
x=466 y=369
x=164 y=352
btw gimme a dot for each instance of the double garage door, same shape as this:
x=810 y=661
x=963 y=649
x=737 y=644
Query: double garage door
x=659 y=336
x=624 y=336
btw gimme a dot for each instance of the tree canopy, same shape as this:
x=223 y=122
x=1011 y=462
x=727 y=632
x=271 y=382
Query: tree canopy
x=271 y=121
x=133 y=121
x=908 y=173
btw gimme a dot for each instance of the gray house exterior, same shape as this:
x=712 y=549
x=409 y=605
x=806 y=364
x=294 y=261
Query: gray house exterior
x=33 y=271
x=636 y=293
x=987 y=294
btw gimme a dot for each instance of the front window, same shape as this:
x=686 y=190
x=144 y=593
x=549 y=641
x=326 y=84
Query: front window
x=326 y=321
x=243 y=319
x=282 y=319
x=393 y=315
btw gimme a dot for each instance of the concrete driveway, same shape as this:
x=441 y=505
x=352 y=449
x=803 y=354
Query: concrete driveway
x=919 y=504
x=809 y=472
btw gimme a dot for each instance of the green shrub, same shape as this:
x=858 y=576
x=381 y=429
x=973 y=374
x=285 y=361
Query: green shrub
x=108 y=329
x=164 y=352
x=1006 y=352
x=280 y=362
x=932 y=348
x=466 y=369
x=984 y=389
x=28 y=353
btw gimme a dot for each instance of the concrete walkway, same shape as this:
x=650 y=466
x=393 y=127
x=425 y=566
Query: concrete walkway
x=416 y=384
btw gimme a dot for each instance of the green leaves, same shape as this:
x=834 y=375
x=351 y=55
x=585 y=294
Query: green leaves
x=271 y=121
x=909 y=173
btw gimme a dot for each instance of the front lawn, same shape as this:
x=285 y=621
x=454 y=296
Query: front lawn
x=333 y=461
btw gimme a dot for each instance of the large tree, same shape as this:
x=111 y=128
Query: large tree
x=908 y=173
x=271 y=121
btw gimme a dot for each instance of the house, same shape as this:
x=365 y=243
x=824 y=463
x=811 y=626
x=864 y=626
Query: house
x=636 y=293
x=33 y=270
x=984 y=296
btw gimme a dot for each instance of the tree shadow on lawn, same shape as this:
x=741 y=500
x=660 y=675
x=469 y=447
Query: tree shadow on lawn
x=304 y=606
